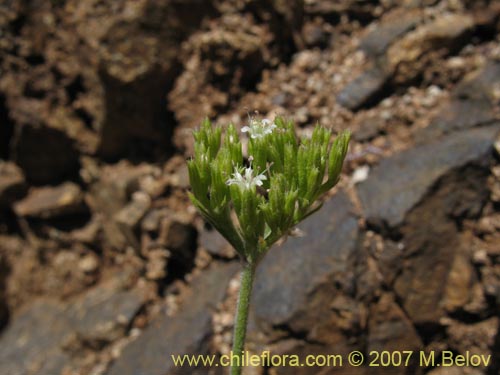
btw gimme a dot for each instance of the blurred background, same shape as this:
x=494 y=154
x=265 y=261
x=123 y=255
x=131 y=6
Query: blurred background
x=105 y=267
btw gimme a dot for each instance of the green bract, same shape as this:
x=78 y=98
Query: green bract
x=254 y=201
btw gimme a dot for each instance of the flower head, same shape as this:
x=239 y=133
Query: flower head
x=247 y=180
x=259 y=128
x=253 y=205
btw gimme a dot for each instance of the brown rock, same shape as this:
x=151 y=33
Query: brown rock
x=439 y=278
x=129 y=217
x=111 y=192
x=12 y=183
x=152 y=219
x=389 y=329
x=48 y=202
x=459 y=284
x=477 y=338
x=4 y=310
x=410 y=55
x=156 y=268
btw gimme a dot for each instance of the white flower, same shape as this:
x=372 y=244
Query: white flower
x=247 y=180
x=259 y=129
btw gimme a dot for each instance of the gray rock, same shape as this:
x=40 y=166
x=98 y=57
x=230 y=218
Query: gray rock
x=12 y=183
x=215 y=244
x=363 y=90
x=31 y=344
x=51 y=201
x=376 y=42
x=472 y=104
x=103 y=313
x=369 y=128
x=397 y=184
x=483 y=85
x=458 y=115
x=185 y=333
x=290 y=273
x=38 y=341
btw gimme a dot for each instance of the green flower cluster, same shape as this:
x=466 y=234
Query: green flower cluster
x=254 y=201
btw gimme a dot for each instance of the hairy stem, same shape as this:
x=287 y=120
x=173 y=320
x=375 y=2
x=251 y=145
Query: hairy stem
x=240 y=322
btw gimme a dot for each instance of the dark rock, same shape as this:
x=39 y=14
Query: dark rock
x=104 y=313
x=129 y=117
x=179 y=236
x=390 y=330
x=12 y=183
x=377 y=41
x=49 y=202
x=31 y=344
x=397 y=184
x=440 y=277
x=364 y=90
x=289 y=278
x=46 y=155
x=6 y=129
x=185 y=333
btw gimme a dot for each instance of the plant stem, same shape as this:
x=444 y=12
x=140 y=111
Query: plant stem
x=241 y=319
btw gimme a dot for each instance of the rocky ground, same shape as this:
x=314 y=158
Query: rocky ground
x=105 y=267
